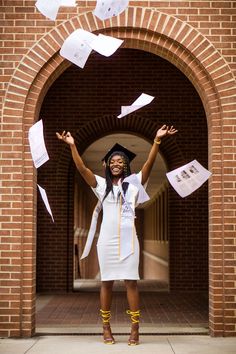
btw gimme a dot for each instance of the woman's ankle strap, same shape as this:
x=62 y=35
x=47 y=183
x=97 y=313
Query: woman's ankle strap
x=134 y=315
x=106 y=316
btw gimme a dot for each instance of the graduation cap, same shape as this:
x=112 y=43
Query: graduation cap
x=119 y=148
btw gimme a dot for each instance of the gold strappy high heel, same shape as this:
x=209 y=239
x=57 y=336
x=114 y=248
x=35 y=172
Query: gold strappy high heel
x=134 y=337
x=106 y=316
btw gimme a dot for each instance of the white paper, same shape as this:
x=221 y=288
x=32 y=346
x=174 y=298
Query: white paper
x=140 y=102
x=142 y=195
x=186 y=179
x=45 y=200
x=108 y=8
x=76 y=47
x=105 y=45
x=68 y=2
x=49 y=8
x=37 y=145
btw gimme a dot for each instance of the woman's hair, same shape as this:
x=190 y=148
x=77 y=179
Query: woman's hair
x=108 y=174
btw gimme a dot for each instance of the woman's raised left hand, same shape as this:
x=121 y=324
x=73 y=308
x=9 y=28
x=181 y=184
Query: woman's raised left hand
x=164 y=131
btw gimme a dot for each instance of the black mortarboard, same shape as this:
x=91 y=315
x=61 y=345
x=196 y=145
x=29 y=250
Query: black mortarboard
x=119 y=148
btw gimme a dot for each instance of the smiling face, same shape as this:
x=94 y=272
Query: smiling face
x=116 y=165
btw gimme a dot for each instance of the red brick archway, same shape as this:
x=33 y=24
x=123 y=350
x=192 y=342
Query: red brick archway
x=198 y=59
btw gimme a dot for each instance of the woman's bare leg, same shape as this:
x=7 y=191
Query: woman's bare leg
x=105 y=301
x=132 y=294
x=133 y=301
x=106 y=295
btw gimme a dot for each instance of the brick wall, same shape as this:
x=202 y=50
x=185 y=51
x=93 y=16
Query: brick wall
x=196 y=36
x=214 y=19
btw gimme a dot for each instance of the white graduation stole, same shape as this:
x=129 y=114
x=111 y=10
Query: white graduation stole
x=92 y=230
x=142 y=194
x=126 y=226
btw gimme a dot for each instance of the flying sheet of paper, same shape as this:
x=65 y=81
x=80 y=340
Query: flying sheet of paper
x=37 y=145
x=76 y=47
x=108 y=8
x=141 y=101
x=105 y=45
x=45 y=200
x=68 y=2
x=142 y=195
x=49 y=8
x=186 y=179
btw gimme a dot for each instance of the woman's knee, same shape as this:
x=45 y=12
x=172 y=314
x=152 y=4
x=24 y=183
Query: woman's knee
x=107 y=285
x=131 y=284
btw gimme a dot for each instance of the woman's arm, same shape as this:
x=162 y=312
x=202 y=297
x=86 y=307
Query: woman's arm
x=85 y=172
x=147 y=167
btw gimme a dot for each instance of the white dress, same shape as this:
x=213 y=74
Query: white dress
x=112 y=267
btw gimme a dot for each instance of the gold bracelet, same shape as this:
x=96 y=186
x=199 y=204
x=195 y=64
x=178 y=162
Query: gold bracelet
x=157 y=141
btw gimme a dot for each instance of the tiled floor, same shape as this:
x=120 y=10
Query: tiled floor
x=161 y=310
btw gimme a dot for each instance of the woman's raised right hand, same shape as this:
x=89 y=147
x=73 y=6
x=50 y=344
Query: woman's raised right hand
x=66 y=137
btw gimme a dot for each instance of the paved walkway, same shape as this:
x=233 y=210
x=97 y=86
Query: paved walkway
x=161 y=312
x=74 y=325
x=94 y=345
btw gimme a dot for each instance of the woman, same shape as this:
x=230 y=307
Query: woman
x=118 y=247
